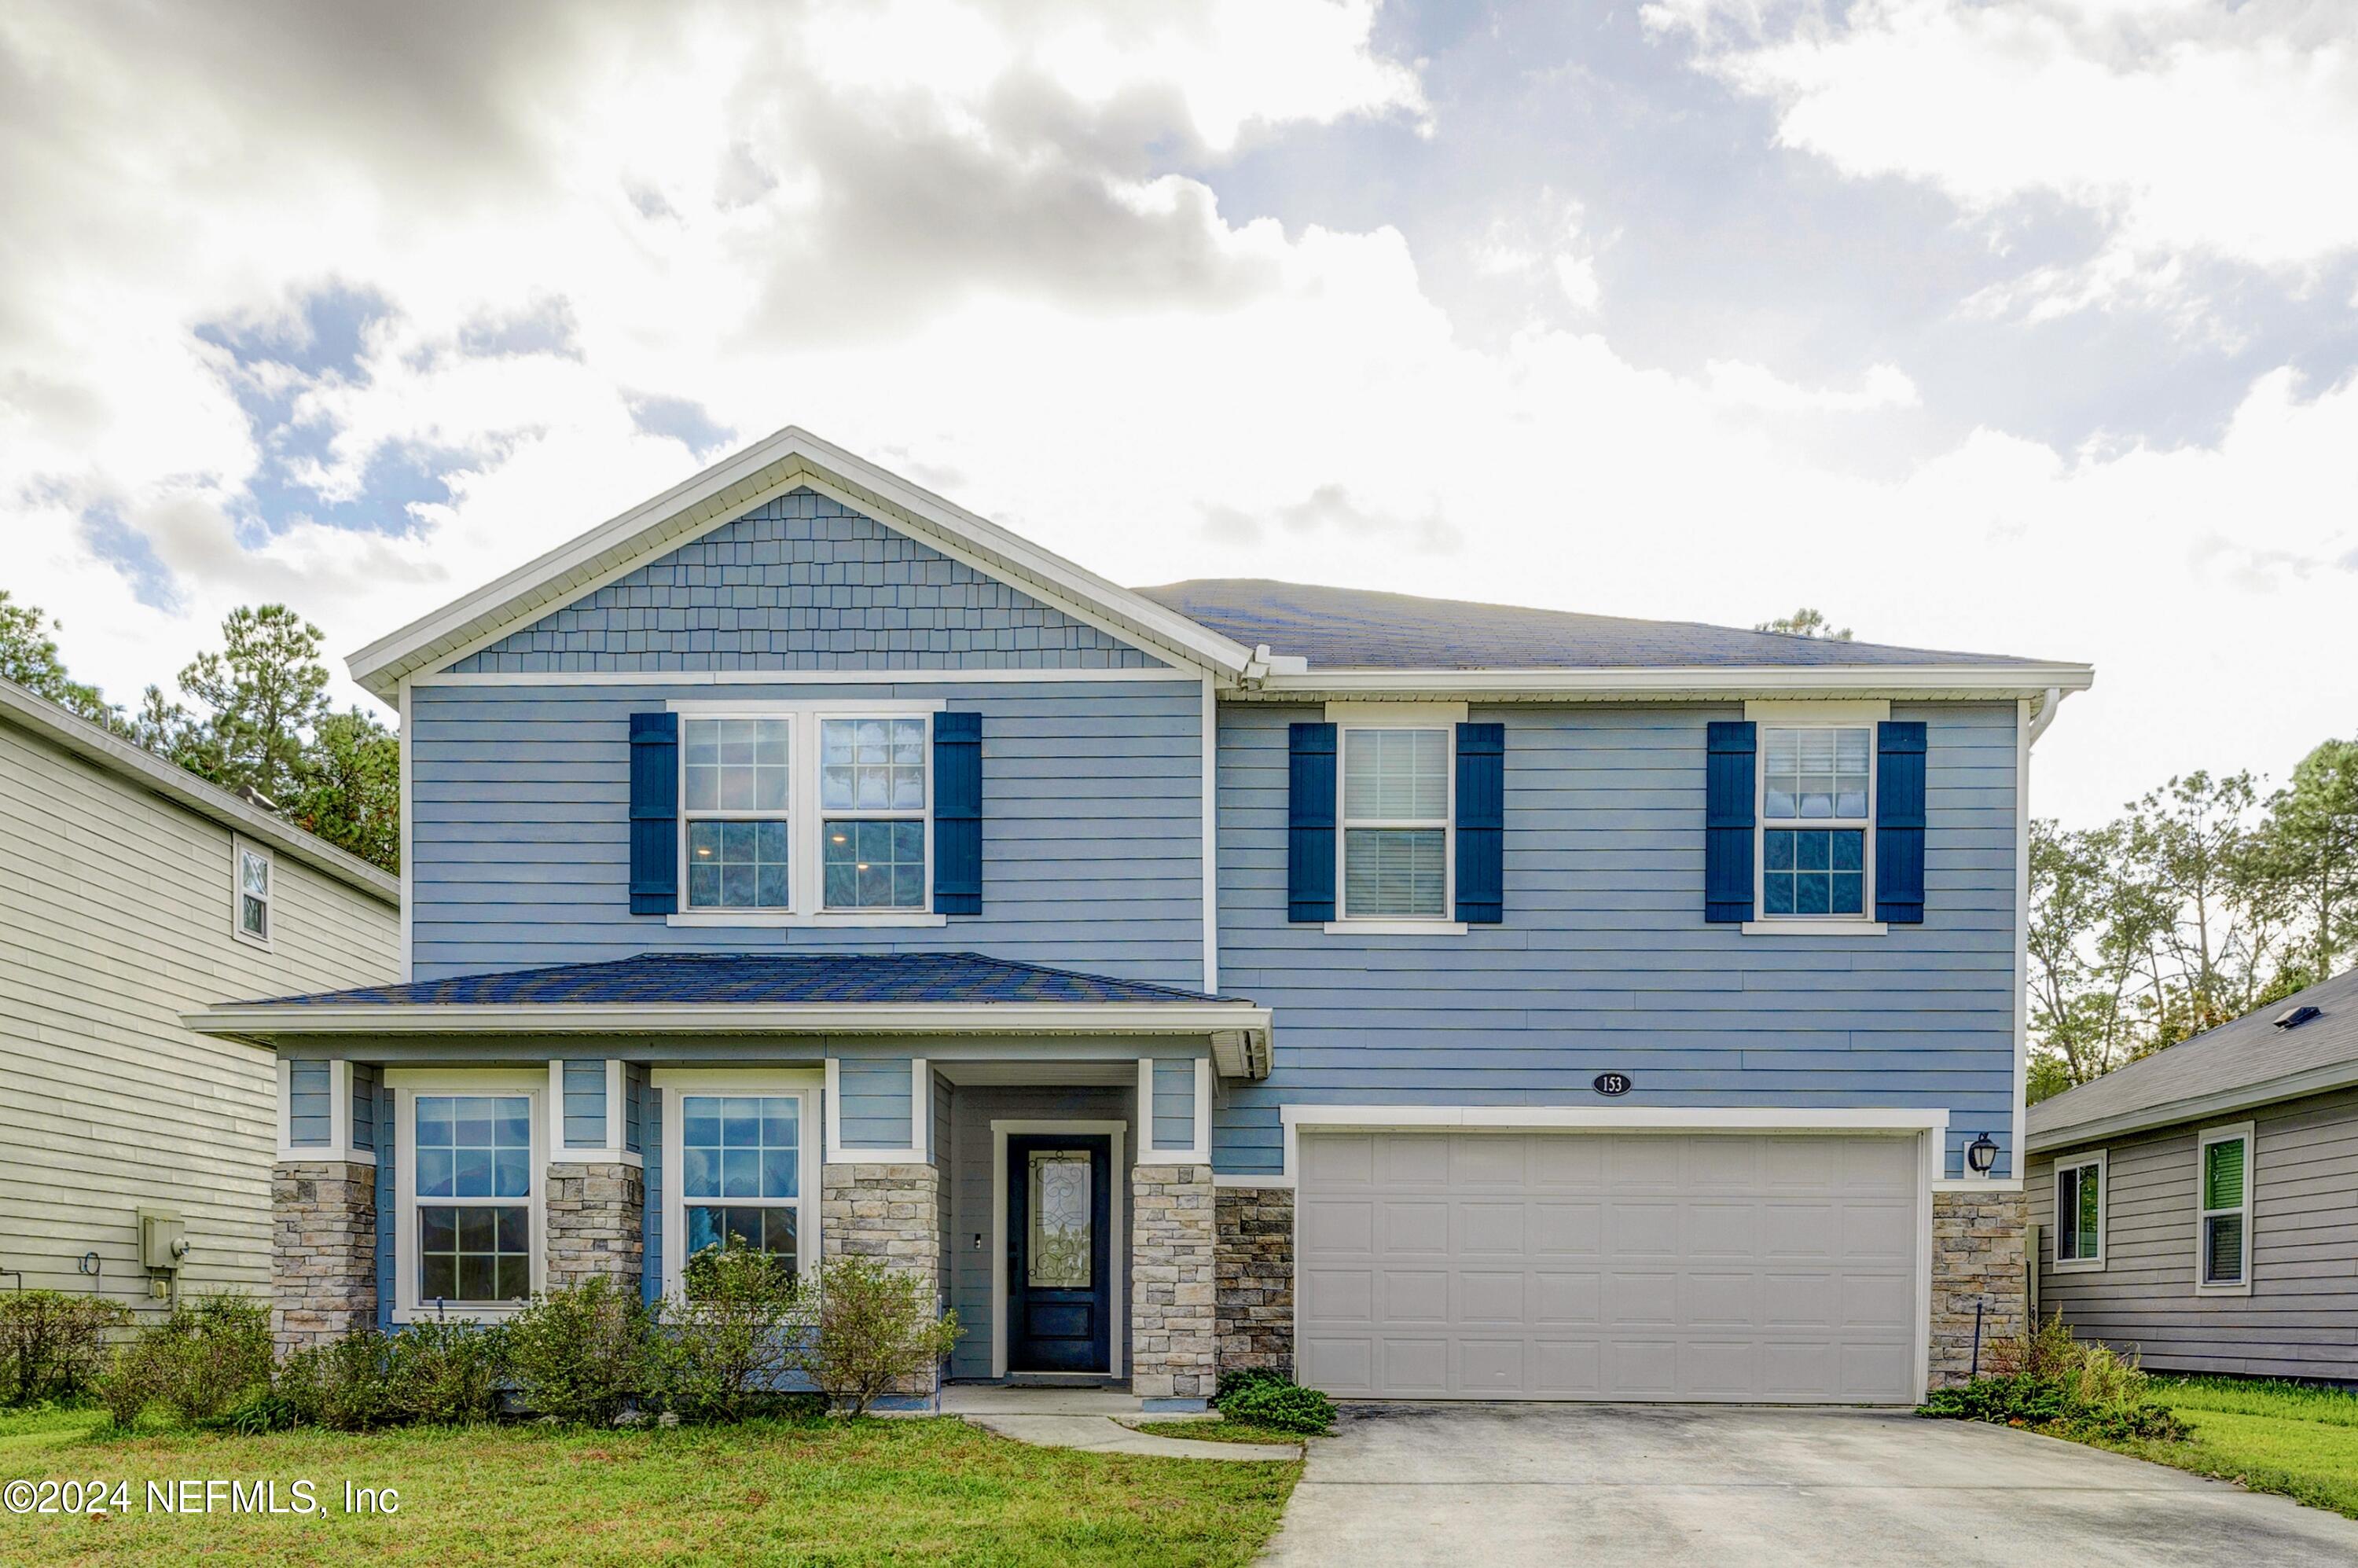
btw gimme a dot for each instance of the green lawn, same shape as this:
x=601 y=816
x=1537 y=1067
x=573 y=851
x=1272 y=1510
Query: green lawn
x=828 y=1492
x=2273 y=1437
x=1220 y=1430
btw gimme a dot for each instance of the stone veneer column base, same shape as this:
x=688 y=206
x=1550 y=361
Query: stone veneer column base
x=322 y=1250
x=1173 y=1332
x=1254 y=1263
x=1977 y=1240
x=597 y=1222
x=891 y=1213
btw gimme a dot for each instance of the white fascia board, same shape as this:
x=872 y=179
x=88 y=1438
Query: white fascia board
x=722 y=491
x=814 y=1018
x=1685 y=683
x=1629 y=1118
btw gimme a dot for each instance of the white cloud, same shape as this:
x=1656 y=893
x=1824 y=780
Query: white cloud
x=1735 y=384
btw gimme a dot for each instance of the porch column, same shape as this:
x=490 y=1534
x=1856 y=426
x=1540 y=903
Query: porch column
x=879 y=1190
x=323 y=1203
x=596 y=1194
x=1173 y=1335
x=1977 y=1260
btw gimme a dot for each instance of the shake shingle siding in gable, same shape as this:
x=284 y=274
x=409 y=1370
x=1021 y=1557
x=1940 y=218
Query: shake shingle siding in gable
x=1604 y=962
x=804 y=583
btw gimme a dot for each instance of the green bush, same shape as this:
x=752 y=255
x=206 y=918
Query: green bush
x=129 y=1385
x=264 y=1410
x=876 y=1327
x=210 y=1354
x=2049 y=1380
x=344 y=1385
x=53 y=1345
x=448 y=1373
x=585 y=1353
x=730 y=1336
x=1266 y=1398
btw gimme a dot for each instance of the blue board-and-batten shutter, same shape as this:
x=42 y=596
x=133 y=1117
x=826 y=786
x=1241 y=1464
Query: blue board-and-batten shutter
x=958 y=814
x=1481 y=823
x=655 y=813
x=1899 y=823
x=1727 y=822
x=1310 y=823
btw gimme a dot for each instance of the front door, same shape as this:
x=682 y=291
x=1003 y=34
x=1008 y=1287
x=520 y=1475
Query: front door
x=1058 y=1269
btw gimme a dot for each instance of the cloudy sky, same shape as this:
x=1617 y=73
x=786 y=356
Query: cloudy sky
x=2026 y=327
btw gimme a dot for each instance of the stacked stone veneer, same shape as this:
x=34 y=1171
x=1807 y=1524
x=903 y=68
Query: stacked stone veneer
x=892 y=1214
x=1977 y=1257
x=322 y=1250
x=1254 y=1264
x=597 y=1222
x=1173 y=1328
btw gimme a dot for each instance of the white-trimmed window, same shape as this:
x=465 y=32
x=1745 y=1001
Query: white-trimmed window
x=873 y=789
x=1398 y=782
x=736 y=777
x=1817 y=813
x=2080 y=1213
x=745 y=1148
x=253 y=893
x=2223 y=1197
x=470 y=1151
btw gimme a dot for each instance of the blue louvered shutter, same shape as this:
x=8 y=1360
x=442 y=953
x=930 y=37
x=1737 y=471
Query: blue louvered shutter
x=1899 y=823
x=1727 y=822
x=958 y=814
x=655 y=813
x=1310 y=824
x=1481 y=823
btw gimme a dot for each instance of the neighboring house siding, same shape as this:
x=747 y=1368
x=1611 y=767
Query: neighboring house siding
x=1091 y=828
x=2301 y=1317
x=1604 y=960
x=115 y=918
x=804 y=583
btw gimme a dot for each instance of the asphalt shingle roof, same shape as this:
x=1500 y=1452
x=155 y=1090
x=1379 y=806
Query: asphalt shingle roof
x=2246 y=1054
x=779 y=978
x=1350 y=628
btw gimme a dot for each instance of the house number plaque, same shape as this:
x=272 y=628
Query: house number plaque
x=1610 y=1084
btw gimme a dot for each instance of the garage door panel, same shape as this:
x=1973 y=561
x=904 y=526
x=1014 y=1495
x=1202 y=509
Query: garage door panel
x=1683 y=1266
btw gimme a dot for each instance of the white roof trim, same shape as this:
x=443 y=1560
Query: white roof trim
x=2321 y=1080
x=176 y=784
x=1691 y=683
x=268 y=1022
x=792 y=456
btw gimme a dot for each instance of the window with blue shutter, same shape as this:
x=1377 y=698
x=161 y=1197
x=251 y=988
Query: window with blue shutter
x=1310 y=824
x=958 y=814
x=1899 y=823
x=655 y=813
x=1727 y=822
x=1481 y=823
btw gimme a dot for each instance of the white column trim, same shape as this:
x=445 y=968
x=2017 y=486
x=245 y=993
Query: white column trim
x=1149 y=1151
x=340 y=1117
x=614 y=1152
x=921 y=1108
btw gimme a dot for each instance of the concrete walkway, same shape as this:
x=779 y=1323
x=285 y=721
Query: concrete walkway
x=1085 y=1417
x=1502 y=1484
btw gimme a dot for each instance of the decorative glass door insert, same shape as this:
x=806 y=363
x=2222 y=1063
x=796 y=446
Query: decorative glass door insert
x=1058 y=1250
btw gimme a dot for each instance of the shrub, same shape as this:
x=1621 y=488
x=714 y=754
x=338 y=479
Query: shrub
x=876 y=1327
x=447 y=1373
x=1271 y=1398
x=729 y=1336
x=264 y=1410
x=2050 y=1380
x=344 y=1385
x=53 y=1344
x=584 y=1353
x=129 y=1385
x=209 y=1354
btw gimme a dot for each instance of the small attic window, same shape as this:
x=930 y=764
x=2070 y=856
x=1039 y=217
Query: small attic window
x=2294 y=1017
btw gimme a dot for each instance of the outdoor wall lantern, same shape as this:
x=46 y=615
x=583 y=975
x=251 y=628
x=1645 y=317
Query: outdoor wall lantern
x=1982 y=1155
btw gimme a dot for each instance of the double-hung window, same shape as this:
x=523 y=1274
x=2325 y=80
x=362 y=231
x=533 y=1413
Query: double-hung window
x=1817 y=805
x=2223 y=1233
x=741 y=1173
x=251 y=905
x=472 y=1170
x=872 y=789
x=1395 y=823
x=2080 y=1213
x=736 y=802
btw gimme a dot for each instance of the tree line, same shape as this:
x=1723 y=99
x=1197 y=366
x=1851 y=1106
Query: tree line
x=252 y=716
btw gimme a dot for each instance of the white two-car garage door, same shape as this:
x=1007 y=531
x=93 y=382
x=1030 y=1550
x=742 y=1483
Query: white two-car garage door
x=1609 y=1266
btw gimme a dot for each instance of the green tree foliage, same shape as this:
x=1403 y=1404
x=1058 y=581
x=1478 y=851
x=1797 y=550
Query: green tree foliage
x=348 y=787
x=1804 y=623
x=263 y=694
x=28 y=656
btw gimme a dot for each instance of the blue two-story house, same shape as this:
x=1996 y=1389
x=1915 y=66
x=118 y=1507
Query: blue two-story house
x=1442 y=999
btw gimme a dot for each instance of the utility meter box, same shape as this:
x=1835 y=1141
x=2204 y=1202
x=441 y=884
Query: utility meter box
x=163 y=1238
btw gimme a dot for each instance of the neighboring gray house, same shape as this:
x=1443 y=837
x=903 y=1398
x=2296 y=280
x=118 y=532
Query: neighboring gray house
x=2201 y=1205
x=131 y=891
x=1451 y=1000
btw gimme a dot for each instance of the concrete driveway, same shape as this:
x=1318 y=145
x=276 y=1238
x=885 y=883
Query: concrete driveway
x=1484 y=1485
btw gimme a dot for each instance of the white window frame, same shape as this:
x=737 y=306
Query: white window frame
x=1347 y=717
x=408 y=1084
x=805 y=820
x=2245 y=1131
x=240 y=848
x=807 y=1084
x=2094 y=1161
x=1832 y=715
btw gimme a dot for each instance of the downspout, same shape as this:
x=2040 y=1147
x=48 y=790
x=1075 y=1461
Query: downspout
x=2045 y=714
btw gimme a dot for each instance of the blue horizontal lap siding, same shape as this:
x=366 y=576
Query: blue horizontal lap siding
x=1174 y=1105
x=1605 y=961
x=877 y=1111
x=310 y=1116
x=585 y=1105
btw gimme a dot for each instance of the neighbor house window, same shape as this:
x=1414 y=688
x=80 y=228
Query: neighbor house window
x=737 y=779
x=2080 y=1213
x=252 y=895
x=2223 y=1242
x=1395 y=823
x=741 y=1173
x=471 y=1161
x=1817 y=786
x=872 y=791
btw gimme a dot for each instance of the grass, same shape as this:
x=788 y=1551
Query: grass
x=2272 y=1437
x=1220 y=1430
x=831 y=1492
